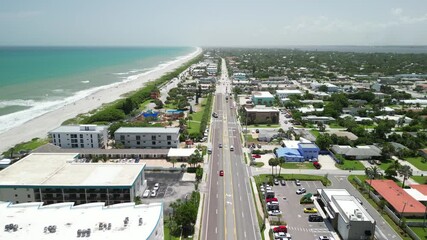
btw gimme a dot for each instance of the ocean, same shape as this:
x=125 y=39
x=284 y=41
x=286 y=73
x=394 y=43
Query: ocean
x=36 y=80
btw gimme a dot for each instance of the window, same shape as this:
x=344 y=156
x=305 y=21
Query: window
x=138 y=137
x=169 y=137
x=16 y=195
x=82 y=145
x=73 y=135
x=122 y=137
x=153 y=137
x=81 y=135
x=169 y=143
x=74 y=145
x=153 y=142
x=138 y=143
x=28 y=195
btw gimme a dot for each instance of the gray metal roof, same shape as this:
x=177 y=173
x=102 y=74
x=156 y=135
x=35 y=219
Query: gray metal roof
x=76 y=129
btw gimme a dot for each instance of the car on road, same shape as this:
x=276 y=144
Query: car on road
x=276 y=181
x=209 y=150
x=220 y=145
x=324 y=238
x=317 y=165
x=256 y=156
x=156 y=186
x=257 y=130
x=274 y=212
x=297 y=182
x=146 y=193
x=315 y=218
x=283 y=182
x=259 y=145
x=301 y=191
x=360 y=201
x=310 y=210
x=221 y=173
x=231 y=148
x=153 y=193
x=281 y=228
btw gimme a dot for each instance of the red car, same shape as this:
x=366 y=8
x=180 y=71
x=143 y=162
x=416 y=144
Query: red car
x=256 y=156
x=221 y=173
x=317 y=165
x=271 y=200
x=281 y=228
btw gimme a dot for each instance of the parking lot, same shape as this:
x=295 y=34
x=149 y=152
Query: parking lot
x=171 y=188
x=293 y=212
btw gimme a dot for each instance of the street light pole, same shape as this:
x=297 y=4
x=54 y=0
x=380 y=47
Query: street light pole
x=401 y=213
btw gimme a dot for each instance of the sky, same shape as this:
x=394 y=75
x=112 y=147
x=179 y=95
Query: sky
x=212 y=23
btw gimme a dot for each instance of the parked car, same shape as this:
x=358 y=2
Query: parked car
x=271 y=200
x=146 y=193
x=221 y=173
x=310 y=210
x=256 y=156
x=231 y=148
x=274 y=212
x=220 y=145
x=156 y=186
x=283 y=182
x=315 y=218
x=259 y=145
x=324 y=238
x=317 y=165
x=282 y=235
x=275 y=203
x=153 y=193
x=360 y=201
x=281 y=228
x=297 y=182
x=257 y=130
x=276 y=182
x=301 y=191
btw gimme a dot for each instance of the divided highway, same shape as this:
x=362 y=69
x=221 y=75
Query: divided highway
x=229 y=211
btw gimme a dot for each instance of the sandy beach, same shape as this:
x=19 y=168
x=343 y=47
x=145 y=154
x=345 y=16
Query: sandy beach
x=38 y=127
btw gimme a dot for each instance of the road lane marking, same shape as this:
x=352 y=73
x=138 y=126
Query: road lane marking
x=217 y=195
x=216 y=211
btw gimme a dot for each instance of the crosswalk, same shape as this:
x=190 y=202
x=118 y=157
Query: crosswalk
x=313 y=230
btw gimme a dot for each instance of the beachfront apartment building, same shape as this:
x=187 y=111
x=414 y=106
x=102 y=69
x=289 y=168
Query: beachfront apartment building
x=79 y=136
x=63 y=177
x=94 y=221
x=147 y=137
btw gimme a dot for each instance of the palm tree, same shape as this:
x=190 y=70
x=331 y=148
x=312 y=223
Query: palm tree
x=272 y=162
x=372 y=172
x=173 y=161
x=405 y=171
x=281 y=160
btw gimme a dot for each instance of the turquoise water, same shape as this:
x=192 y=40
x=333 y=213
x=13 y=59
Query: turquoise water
x=32 y=77
x=43 y=73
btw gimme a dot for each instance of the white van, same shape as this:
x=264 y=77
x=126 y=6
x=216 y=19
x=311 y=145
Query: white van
x=146 y=193
x=231 y=148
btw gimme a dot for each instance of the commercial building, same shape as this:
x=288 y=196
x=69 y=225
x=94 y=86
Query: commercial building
x=262 y=115
x=358 y=152
x=303 y=152
x=63 y=177
x=83 y=136
x=262 y=98
x=147 y=137
x=281 y=94
x=318 y=119
x=93 y=221
x=346 y=214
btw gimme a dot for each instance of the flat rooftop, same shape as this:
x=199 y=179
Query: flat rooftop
x=32 y=218
x=61 y=169
x=348 y=206
x=78 y=129
x=147 y=130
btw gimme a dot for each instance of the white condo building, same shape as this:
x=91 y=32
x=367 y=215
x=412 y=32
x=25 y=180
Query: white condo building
x=62 y=177
x=147 y=137
x=88 y=221
x=83 y=136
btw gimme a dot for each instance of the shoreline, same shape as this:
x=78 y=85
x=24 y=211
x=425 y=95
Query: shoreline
x=39 y=126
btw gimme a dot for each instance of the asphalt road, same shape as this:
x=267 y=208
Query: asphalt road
x=229 y=209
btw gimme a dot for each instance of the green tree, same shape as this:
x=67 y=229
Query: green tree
x=387 y=151
x=405 y=171
x=281 y=160
x=323 y=141
x=173 y=161
x=323 y=88
x=372 y=172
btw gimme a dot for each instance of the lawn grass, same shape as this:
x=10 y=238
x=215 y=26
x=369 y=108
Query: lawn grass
x=249 y=138
x=194 y=125
x=396 y=228
x=334 y=125
x=144 y=104
x=420 y=179
x=166 y=232
x=26 y=146
x=315 y=133
x=259 y=164
x=420 y=231
x=169 y=106
x=302 y=177
x=303 y=165
x=350 y=165
x=418 y=162
x=385 y=164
